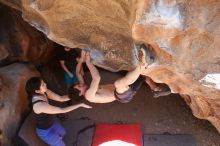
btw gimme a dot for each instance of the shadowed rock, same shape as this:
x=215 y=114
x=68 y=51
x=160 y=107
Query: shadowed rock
x=13 y=98
x=21 y=42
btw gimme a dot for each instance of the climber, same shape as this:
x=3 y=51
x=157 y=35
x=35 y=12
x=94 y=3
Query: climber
x=157 y=90
x=47 y=129
x=122 y=90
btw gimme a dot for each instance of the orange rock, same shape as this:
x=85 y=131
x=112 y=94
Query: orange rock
x=13 y=98
x=184 y=36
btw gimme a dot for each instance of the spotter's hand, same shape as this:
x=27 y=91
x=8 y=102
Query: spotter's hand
x=85 y=105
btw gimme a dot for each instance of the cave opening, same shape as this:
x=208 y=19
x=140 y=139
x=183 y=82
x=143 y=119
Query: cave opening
x=22 y=44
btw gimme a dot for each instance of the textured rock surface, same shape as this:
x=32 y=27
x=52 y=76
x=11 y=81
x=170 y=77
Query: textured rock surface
x=16 y=4
x=184 y=35
x=103 y=26
x=13 y=98
x=19 y=41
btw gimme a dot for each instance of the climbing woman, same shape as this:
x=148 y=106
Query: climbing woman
x=49 y=130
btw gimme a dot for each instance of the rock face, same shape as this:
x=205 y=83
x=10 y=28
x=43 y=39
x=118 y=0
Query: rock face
x=21 y=42
x=184 y=35
x=13 y=98
x=102 y=26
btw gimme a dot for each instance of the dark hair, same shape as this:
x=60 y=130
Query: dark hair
x=31 y=85
x=74 y=94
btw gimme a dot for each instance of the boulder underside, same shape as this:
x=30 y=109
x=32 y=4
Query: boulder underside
x=184 y=35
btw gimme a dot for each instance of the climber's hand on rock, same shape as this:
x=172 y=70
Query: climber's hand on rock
x=83 y=56
x=88 y=58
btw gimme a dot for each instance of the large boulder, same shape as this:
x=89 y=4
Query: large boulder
x=102 y=26
x=185 y=38
x=13 y=98
x=183 y=35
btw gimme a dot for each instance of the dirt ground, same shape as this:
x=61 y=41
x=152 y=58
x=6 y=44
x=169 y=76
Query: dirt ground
x=164 y=114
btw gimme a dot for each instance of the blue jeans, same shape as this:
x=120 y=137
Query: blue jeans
x=52 y=136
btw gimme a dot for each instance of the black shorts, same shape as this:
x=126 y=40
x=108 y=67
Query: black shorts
x=128 y=95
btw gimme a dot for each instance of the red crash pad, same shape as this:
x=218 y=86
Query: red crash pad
x=117 y=135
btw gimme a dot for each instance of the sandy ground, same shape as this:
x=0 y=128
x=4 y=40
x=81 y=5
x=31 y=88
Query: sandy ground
x=164 y=114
